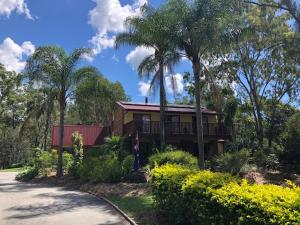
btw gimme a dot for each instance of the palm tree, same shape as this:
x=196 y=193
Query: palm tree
x=53 y=69
x=203 y=26
x=151 y=31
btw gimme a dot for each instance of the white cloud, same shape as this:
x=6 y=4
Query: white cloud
x=144 y=88
x=174 y=82
x=135 y=57
x=12 y=55
x=108 y=18
x=8 y=6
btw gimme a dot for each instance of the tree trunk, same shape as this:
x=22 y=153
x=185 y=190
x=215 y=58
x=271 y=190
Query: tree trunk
x=46 y=129
x=196 y=70
x=162 y=105
x=61 y=134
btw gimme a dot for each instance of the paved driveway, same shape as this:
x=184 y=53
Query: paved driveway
x=35 y=204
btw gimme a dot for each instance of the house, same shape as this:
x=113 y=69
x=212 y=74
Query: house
x=92 y=135
x=180 y=127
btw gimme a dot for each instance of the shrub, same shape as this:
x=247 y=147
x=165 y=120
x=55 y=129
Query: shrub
x=77 y=143
x=28 y=174
x=127 y=164
x=166 y=185
x=259 y=204
x=67 y=162
x=45 y=162
x=173 y=157
x=105 y=168
x=197 y=194
x=190 y=197
x=231 y=162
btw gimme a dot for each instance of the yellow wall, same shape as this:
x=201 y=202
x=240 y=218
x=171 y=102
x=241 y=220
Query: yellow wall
x=184 y=118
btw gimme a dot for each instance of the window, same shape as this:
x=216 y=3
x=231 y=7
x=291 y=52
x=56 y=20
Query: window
x=143 y=122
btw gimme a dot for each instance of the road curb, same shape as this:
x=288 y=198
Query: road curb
x=116 y=208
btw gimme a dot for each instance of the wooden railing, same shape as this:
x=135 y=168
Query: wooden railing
x=177 y=128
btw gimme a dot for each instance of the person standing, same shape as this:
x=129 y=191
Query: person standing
x=136 y=152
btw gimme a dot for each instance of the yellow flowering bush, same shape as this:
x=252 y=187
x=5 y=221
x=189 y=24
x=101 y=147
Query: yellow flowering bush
x=259 y=204
x=192 y=197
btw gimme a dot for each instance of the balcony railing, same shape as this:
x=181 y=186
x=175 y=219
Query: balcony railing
x=177 y=128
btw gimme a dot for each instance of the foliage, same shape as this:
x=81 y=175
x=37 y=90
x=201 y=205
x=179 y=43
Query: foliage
x=166 y=185
x=272 y=162
x=67 y=159
x=292 y=149
x=173 y=157
x=58 y=72
x=127 y=164
x=259 y=204
x=231 y=162
x=191 y=197
x=46 y=161
x=116 y=145
x=96 y=99
x=77 y=143
x=152 y=30
x=105 y=168
x=28 y=174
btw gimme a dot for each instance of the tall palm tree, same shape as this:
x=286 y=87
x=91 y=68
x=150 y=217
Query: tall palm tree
x=151 y=30
x=203 y=26
x=53 y=69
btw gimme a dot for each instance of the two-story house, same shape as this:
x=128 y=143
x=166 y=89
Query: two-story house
x=180 y=126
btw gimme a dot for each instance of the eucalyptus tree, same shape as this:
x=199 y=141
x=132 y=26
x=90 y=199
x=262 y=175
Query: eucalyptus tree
x=203 y=27
x=57 y=71
x=152 y=30
x=260 y=66
x=291 y=6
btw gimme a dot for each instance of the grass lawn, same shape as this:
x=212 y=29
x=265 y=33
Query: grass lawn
x=18 y=169
x=141 y=209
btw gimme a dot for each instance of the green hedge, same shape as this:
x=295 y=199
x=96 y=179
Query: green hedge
x=174 y=157
x=192 y=197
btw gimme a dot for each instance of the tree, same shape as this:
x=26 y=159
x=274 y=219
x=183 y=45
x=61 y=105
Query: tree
x=152 y=30
x=96 y=99
x=260 y=67
x=291 y=6
x=202 y=27
x=292 y=149
x=55 y=70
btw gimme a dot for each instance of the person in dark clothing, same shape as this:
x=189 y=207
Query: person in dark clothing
x=136 y=153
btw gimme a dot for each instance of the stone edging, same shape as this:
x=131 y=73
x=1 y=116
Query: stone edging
x=118 y=209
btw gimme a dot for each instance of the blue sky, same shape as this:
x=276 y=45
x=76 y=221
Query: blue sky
x=27 y=24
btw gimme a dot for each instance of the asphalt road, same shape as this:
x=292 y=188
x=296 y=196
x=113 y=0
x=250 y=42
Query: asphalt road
x=36 y=204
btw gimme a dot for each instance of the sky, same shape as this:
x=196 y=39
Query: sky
x=28 y=24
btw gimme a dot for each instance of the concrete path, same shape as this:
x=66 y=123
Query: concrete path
x=36 y=204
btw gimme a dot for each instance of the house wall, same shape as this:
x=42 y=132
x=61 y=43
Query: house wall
x=184 y=117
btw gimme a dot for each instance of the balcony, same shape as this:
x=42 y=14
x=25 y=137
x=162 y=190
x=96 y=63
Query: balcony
x=176 y=128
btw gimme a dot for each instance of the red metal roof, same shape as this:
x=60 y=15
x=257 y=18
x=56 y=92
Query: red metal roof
x=168 y=108
x=91 y=135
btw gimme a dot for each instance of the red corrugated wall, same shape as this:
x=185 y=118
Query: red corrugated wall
x=92 y=135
